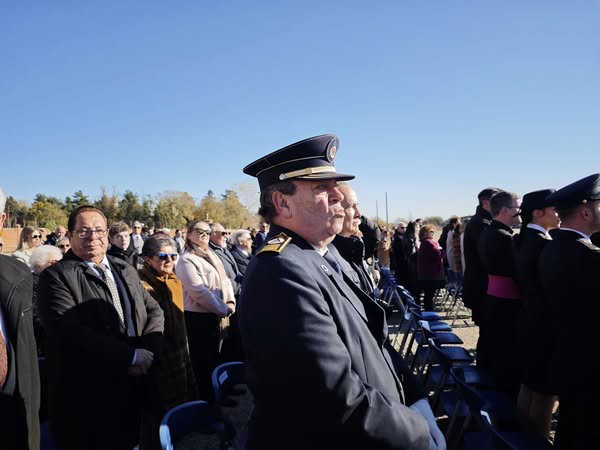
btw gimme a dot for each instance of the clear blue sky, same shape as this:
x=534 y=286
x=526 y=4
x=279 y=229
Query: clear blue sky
x=432 y=100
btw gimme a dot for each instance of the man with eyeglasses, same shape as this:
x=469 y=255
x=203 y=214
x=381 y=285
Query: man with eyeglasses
x=19 y=375
x=498 y=345
x=317 y=363
x=103 y=329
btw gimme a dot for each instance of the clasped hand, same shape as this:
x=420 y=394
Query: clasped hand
x=143 y=361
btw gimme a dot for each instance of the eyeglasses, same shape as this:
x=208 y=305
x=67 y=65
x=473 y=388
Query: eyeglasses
x=202 y=231
x=222 y=233
x=164 y=256
x=86 y=232
x=64 y=246
x=137 y=228
x=36 y=236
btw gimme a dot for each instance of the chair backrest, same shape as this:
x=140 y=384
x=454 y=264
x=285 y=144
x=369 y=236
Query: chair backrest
x=185 y=419
x=234 y=401
x=474 y=401
x=499 y=441
x=227 y=375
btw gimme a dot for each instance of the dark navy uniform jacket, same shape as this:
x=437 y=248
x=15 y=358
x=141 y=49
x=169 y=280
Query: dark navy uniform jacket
x=534 y=331
x=569 y=267
x=317 y=363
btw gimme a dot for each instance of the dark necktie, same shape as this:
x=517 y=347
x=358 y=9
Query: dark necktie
x=3 y=360
x=332 y=262
x=114 y=292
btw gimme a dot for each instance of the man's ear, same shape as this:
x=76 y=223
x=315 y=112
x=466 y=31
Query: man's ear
x=586 y=213
x=280 y=201
x=69 y=234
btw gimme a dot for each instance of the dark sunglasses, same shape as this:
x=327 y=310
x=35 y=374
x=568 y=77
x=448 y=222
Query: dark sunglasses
x=201 y=231
x=36 y=236
x=222 y=233
x=164 y=256
x=64 y=246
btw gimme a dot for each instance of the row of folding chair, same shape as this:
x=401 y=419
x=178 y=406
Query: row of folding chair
x=456 y=387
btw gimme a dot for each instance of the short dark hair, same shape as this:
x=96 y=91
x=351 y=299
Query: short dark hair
x=501 y=200
x=567 y=213
x=487 y=194
x=76 y=212
x=267 y=208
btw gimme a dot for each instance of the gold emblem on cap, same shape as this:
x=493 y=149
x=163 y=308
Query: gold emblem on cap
x=332 y=149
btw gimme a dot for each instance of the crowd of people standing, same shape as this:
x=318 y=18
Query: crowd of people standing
x=131 y=323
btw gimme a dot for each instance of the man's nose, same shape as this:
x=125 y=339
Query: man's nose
x=335 y=195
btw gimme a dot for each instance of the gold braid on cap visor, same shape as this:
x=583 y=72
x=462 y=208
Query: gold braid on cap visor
x=308 y=171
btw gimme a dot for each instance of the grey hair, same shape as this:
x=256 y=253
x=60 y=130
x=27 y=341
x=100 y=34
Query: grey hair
x=238 y=236
x=2 y=201
x=155 y=243
x=42 y=255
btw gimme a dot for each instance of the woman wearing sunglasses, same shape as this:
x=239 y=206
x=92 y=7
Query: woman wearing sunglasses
x=208 y=299
x=31 y=238
x=171 y=374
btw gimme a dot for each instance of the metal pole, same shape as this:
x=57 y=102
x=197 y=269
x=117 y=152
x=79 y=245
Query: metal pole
x=387 y=220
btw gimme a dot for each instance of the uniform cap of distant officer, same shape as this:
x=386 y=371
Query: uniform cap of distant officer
x=578 y=193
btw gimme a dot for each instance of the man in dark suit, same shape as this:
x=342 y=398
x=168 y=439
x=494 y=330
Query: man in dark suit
x=19 y=375
x=537 y=393
x=569 y=266
x=317 y=364
x=102 y=330
x=498 y=326
x=232 y=346
x=475 y=277
x=218 y=244
x=260 y=237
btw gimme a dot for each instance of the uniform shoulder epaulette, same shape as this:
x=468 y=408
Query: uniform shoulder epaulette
x=276 y=245
x=589 y=244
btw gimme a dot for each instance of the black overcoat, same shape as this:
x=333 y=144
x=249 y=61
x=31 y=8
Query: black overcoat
x=475 y=276
x=317 y=366
x=94 y=403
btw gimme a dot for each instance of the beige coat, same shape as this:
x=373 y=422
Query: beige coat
x=204 y=289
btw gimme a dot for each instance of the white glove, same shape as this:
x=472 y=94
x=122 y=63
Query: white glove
x=438 y=442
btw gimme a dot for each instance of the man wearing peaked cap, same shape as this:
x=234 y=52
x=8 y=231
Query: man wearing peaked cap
x=317 y=363
x=537 y=394
x=569 y=266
